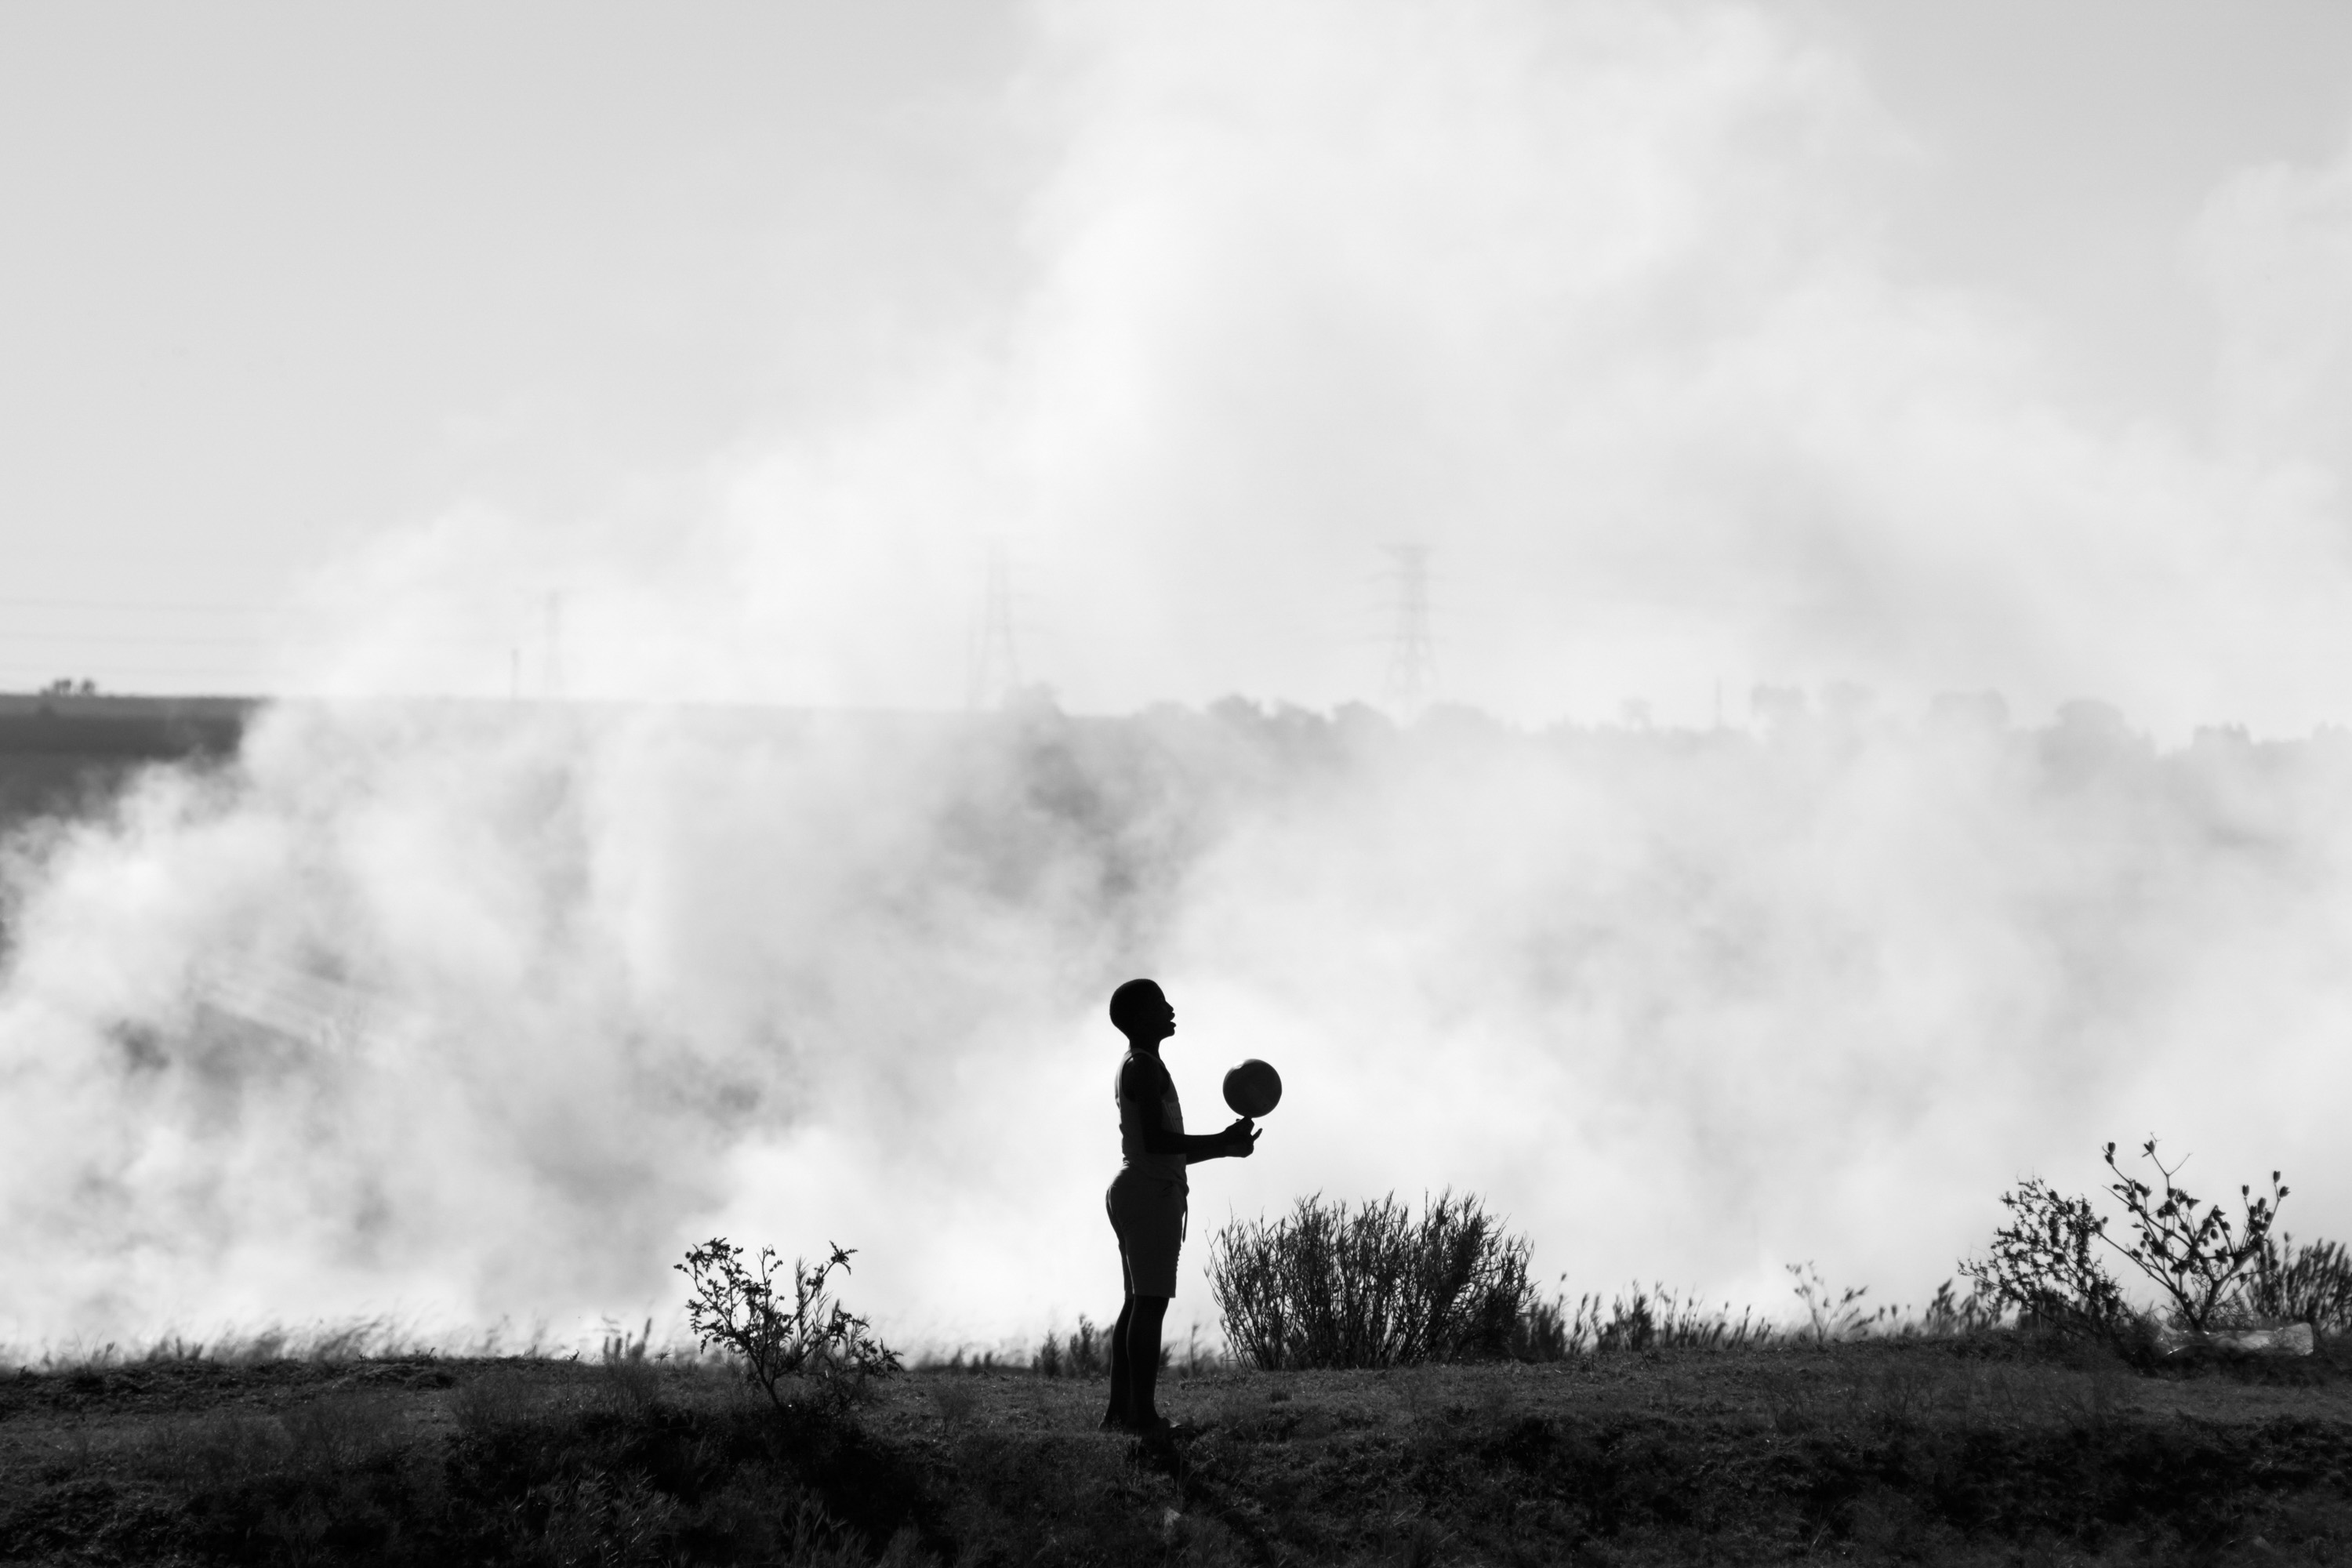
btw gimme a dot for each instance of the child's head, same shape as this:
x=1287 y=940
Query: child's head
x=1139 y=1010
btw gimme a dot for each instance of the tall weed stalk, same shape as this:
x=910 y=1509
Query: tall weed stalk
x=1642 y=1319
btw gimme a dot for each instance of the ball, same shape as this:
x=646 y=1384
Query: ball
x=1253 y=1089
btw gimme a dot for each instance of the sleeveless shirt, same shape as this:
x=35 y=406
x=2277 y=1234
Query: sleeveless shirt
x=1137 y=1113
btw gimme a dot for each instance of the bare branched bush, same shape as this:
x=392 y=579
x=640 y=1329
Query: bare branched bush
x=735 y=1309
x=2214 y=1271
x=2190 y=1248
x=1330 y=1287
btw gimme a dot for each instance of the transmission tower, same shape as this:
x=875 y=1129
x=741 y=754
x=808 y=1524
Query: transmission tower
x=1413 y=655
x=995 y=673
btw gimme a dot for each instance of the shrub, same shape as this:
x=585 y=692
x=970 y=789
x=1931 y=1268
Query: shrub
x=2294 y=1284
x=2198 y=1259
x=2041 y=1264
x=735 y=1309
x=2211 y=1268
x=1329 y=1287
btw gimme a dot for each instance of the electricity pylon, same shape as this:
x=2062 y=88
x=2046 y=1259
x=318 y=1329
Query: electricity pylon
x=995 y=672
x=1413 y=653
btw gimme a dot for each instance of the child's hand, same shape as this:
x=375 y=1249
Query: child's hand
x=1242 y=1137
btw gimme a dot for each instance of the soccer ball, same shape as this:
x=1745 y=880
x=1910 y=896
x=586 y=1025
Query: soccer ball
x=1253 y=1089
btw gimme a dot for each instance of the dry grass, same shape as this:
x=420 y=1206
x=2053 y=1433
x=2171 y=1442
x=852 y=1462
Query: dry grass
x=351 y=1339
x=1968 y=1450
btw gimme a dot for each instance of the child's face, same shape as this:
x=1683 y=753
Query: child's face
x=1155 y=1020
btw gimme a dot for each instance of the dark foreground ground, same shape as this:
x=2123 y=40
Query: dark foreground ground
x=1927 y=1452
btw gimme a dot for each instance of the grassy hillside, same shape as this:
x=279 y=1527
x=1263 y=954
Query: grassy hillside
x=1894 y=1451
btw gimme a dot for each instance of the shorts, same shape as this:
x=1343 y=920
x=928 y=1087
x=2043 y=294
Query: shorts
x=1149 y=1215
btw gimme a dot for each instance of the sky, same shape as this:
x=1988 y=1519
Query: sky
x=429 y=328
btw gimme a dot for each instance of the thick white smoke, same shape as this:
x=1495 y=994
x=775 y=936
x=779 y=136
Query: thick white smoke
x=477 y=1015
x=484 y=1010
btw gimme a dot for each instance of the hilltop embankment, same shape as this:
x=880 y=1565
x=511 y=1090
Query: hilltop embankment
x=1911 y=1452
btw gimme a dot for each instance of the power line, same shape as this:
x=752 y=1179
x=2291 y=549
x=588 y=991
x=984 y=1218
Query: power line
x=147 y=606
x=257 y=640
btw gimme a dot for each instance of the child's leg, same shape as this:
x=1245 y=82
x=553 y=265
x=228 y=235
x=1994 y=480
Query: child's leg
x=1121 y=1382
x=1142 y=1338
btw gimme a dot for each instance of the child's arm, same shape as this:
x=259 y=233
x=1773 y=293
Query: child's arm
x=1236 y=1141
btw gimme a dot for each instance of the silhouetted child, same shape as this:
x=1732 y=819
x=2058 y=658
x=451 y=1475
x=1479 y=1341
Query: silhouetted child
x=1147 y=1198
